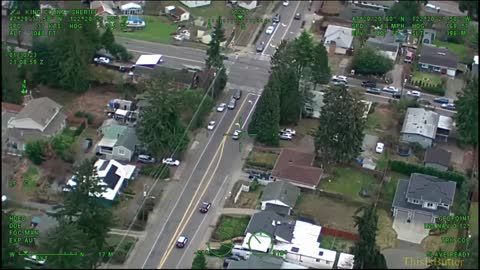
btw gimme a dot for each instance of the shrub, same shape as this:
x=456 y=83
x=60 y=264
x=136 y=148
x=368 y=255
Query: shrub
x=79 y=130
x=87 y=115
x=254 y=185
x=199 y=262
x=35 y=151
x=434 y=89
x=407 y=168
x=160 y=171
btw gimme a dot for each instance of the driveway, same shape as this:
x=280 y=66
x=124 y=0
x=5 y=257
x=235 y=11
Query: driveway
x=368 y=146
x=453 y=86
x=412 y=231
x=404 y=256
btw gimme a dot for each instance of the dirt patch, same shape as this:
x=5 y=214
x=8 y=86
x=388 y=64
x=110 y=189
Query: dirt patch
x=247 y=200
x=331 y=7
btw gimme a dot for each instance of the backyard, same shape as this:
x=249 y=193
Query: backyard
x=389 y=187
x=474 y=218
x=349 y=182
x=379 y=120
x=30 y=180
x=248 y=200
x=262 y=159
x=158 y=29
x=230 y=227
x=336 y=243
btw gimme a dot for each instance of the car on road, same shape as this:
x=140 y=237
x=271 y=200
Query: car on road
x=441 y=100
x=236 y=134
x=269 y=30
x=396 y=95
x=414 y=93
x=390 y=89
x=276 y=18
x=449 y=106
x=289 y=131
x=221 y=107
x=286 y=136
x=238 y=94
x=232 y=103
x=171 y=161
x=204 y=207
x=373 y=90
x=261 y=47
x=379 y=147
x=211 y=125
x=297 y=16
x=426 y=104
x=339 y=78
x=182 y=241
x=369 y=84
x=146 y=159
x=101 y=60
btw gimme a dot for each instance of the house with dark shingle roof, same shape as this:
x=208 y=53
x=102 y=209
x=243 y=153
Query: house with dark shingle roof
x=386 y=45
x=437 y=59
x=257 y=262
x=280 y=197
x=423 y=198
x=296 y=168
x=39 y=118
x=437 y=158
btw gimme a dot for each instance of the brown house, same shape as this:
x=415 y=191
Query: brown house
x=296 y=167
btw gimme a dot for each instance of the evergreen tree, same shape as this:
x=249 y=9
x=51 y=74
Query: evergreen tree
x=340 y=134
x=215 y=58
x=266 y=117
x=11 y=81
x=107 y=39
x=466 y=117
x=303 y=50
x=320 y=70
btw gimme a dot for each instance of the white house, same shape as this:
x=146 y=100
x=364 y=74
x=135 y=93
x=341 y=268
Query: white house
x=131 y=9
x=113 y=177
x=248 y=4
x=338 y=39
x=345 y=261
x=194 y=4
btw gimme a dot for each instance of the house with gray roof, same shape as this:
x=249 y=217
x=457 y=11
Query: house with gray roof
x=352 y=11
x=425 y=127
x=40 y=118
x=386 y=45
x=257 y=262
x=437 y=59
x=119 y=142
x=438 y=158
x=423 y=198
x=280 y=197
x=338 y=39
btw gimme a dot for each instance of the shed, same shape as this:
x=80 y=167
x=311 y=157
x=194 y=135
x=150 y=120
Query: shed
x=131 y=8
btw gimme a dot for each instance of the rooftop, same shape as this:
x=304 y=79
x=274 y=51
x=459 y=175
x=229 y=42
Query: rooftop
x=345 y=261
x=430 y=188
x=438 y=156
x=437 y=56
x=342 y=36
x=40 y=110
x=296 y=167
x=281 y=191
x=421 y=122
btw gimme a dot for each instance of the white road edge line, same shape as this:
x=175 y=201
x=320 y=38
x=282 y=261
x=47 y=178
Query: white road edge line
x=203 y=220
x=248 y=116
x=173 y=57
x=183 y=191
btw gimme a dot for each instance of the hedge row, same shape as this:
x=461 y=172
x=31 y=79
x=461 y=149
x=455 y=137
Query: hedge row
x=407 y=168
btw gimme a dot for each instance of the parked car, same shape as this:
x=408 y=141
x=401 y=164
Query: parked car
x=414 y=93
x=339 y=78
x=390 y=89
x=261 y=47
x=269 y=30
x=171 y=161
x=288 y=130
x=396 y=95
x=441 y=100
x=276 y=18
x=146 y=159
x=369 y=84
x=232 y=103
x=101 y=60
x=204 y=207
x=260 y=175
x=221 y=107
x=286 y=136
x=238 y=94
x=297 y=16
x=379 y=148
x=182 y=241
x=211 y=125
x=373 y=90
x=236 y=134
x=449 y=106
x=285 y=3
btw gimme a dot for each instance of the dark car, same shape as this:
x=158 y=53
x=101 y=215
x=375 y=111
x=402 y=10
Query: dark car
x=261 y=47
x=441 y=100
x=396 y=95
x=204 y=207
x=369 y=84
x=298 y=16
x=238 y=94
x=276 y=18
x=372 y=90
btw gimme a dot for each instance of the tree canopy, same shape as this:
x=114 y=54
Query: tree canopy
x=340 y=134
x=215 y=58
x=466 y=117
x=11 y=81
x=405 y=9
x=266 y=117
x=367 y=60
x=199 y=262
x=471 y=7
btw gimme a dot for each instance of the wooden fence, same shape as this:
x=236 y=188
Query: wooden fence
x=339 y=233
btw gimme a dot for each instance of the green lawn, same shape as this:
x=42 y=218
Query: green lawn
x=474 y=218
x=230 y=227
x=458 y=49
x=426 y=78
x=374 y=122
x=262 y=159
x=113 y=240
x=335 y=243
x=389 y=188
x=158 y=29
x=348 y=182
x=30 y=180
x=382 y=163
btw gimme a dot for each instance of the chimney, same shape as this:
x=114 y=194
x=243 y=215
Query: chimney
x=273 y=222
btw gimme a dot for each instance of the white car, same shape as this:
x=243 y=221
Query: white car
x=171 y=161
x=286 y=136
x=390 y=89
x=182 y=241
x=379 y=148
x=288 y=131
x=101 y=60
x=269 y=30
x=414 y=93
x=285 y=3
x=236 y=134
x=211 y=125
x=221 y=107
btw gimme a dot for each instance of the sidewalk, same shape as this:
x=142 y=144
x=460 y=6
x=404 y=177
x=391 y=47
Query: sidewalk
x=239 y=211
x=132 y=233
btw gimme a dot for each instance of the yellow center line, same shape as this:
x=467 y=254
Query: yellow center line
x=183 y=222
